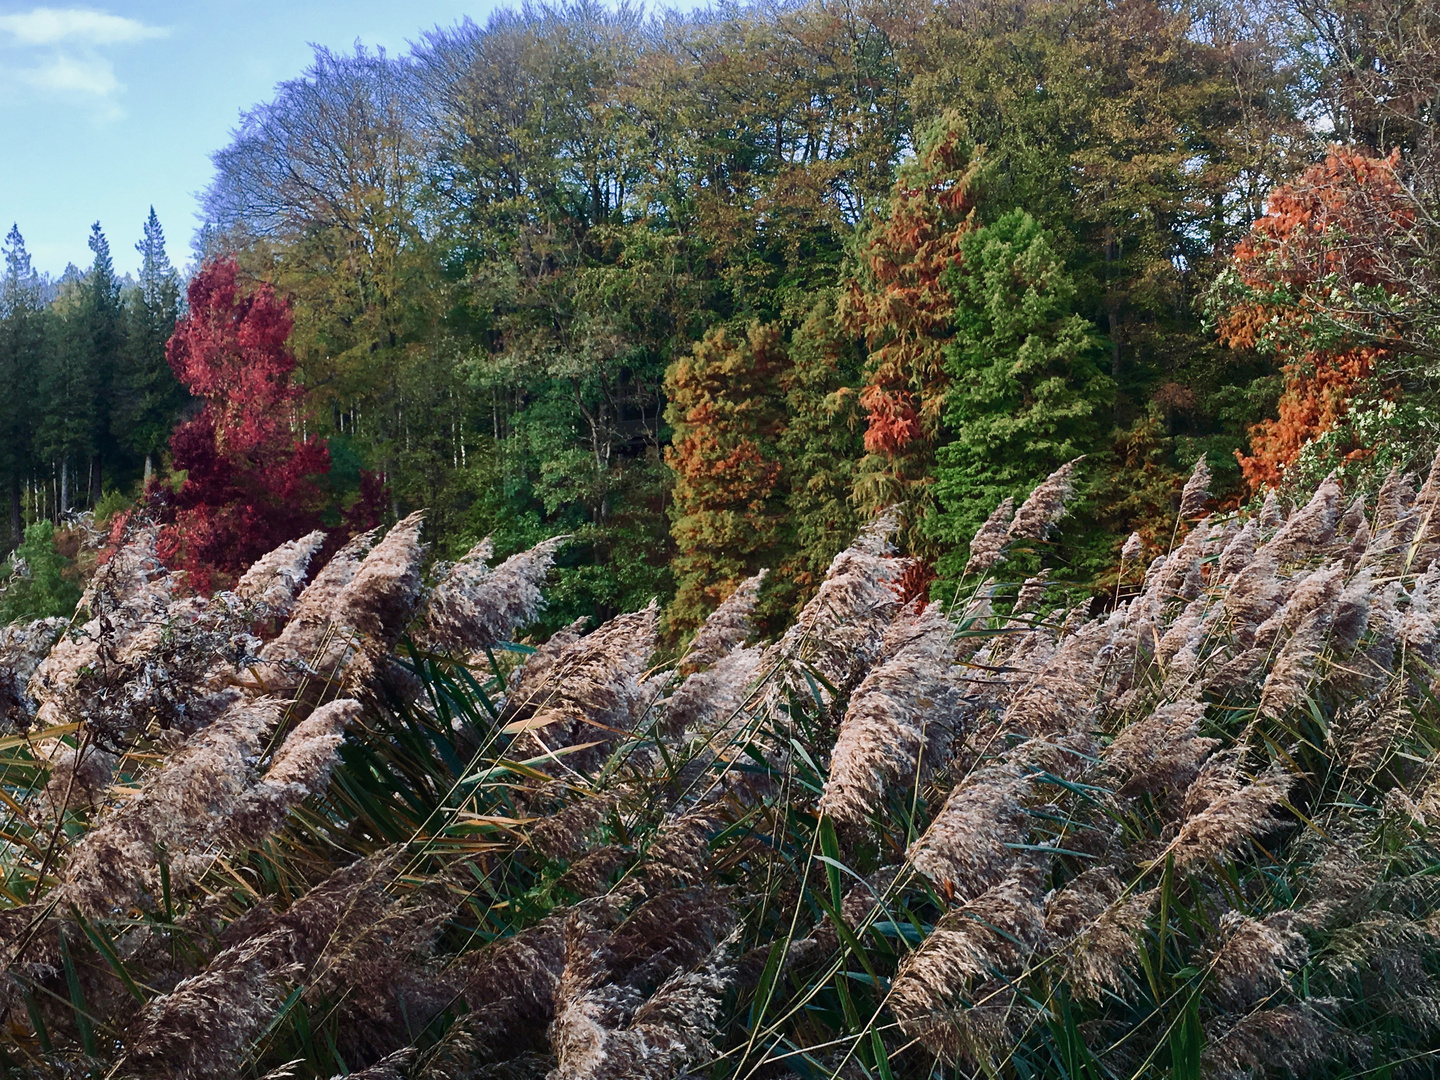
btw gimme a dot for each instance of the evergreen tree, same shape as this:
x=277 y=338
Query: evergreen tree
x=104 y=339
x=65 y=434
x=22 y=347
x=34 y=583
x=148 y=397
x=725 y=412
x=1026 y=392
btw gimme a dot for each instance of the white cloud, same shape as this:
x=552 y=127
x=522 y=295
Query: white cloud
x=60 y=52
x=80 y=26
x=91 y=75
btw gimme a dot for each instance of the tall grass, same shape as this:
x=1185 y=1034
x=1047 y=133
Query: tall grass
x=360 y=831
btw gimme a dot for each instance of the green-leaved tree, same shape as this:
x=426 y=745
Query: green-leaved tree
x=1027 y=392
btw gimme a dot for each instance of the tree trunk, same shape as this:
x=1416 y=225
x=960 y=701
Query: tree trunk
x=97 y=479
x=17 y=521
x=64 y=487
x=149 y=470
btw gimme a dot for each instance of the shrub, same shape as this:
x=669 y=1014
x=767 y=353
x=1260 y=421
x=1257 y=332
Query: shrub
x=36 y=585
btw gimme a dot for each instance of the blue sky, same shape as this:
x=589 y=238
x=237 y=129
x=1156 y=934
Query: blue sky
x=105 y=110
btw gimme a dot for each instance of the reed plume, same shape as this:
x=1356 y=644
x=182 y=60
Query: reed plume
x=839 y=631
x=1162 y=753
x=1133 y=550
x=1254 y=957
x=300 y=641
x=592 y=691
x=900 y=721
x=970 y=846
x=1196 y=492
x=474 y=607
x=1093 y=928
x=987 y=547
x=590 y=860
x=997 y=932
x=1222 y=813
x=725 y=628
x=182 y=811
x=1045 y=506
x=273 y=579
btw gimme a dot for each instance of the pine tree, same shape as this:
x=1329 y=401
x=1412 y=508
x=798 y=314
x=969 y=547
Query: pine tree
x=105 y=334
x=1026 y=391
x=148 y=397
x=65 y=433
x=77 y=379
x=22 y=349
x=726 y=415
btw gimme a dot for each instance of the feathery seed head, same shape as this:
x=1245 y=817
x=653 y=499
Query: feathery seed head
x=273 y=579
x=1045 y=506
x=987 y=547
x=1196 y=491
x=726 y=628
x=475 y=607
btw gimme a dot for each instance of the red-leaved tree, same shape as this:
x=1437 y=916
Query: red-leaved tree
x=250 y=478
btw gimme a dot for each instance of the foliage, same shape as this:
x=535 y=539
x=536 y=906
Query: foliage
x=40 y=582
x=1026 y=391
x=495 y=245
x=899 y=303
x=147 y=394
x=725 y=414
x=819 y=449
x=248 y=479
x=1319 y=241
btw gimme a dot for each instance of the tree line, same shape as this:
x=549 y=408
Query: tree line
x=707 y=291
x=88 y=398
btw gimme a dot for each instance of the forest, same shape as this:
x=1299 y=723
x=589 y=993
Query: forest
x=707 y=292
x=826 y=539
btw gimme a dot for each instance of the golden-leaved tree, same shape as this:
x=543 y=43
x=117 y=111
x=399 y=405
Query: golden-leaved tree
x=725 y=409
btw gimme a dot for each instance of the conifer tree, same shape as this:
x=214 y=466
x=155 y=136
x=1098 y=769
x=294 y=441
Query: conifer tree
x=65 y=432
x=899 y=304
x=822 y=442
x=104 y=340
x=22 y=346
x=148 y=397
x=726 y=414
x=1026 y=391
x=77 y=379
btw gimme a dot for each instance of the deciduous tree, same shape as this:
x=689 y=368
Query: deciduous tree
x=900 y=304
x=1298 y=290
x=249 y=471
x=725 y=410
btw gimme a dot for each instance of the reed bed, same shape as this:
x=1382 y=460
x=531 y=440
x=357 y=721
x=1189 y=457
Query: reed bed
x=351 y=827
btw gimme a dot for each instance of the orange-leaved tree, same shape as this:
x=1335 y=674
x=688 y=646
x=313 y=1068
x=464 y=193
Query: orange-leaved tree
x=1298 y=287
x=726 y=415
x=898 y=301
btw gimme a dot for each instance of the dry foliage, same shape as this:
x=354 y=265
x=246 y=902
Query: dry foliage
x=357 y=830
